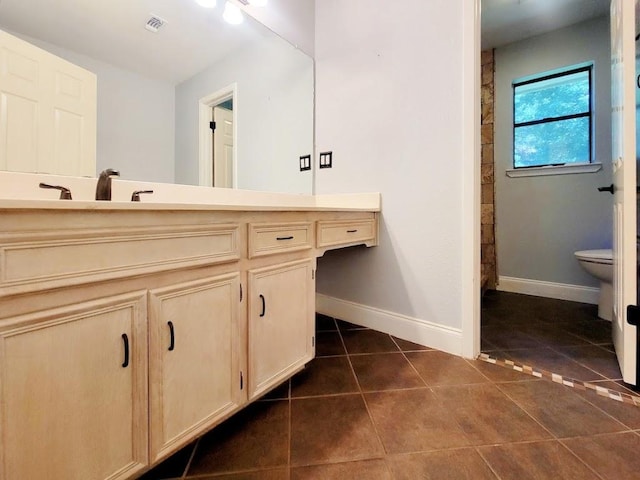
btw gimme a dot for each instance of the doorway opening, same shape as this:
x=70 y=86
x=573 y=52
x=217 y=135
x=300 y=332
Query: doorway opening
x=218 y=138
x=518 y=327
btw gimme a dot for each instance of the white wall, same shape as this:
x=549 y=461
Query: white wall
x=541 y=221
x=274 y=108
x=135 y=119
x=293 y=20
x=389 y=102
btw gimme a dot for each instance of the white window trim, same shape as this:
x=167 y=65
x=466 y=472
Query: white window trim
x=568 y=169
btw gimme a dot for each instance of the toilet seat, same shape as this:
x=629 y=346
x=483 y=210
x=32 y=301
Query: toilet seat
x=604 y=256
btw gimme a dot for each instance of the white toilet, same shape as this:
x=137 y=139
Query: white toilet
x=599 y=263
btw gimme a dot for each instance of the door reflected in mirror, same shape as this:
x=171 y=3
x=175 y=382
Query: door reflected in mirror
x=150 y=87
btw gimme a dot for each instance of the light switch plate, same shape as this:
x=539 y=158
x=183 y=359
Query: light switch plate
x=326 y=159
x=305 y=163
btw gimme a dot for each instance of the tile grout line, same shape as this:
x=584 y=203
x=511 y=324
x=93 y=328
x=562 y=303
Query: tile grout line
x=566 y=447
x=366 y=406
x=555 y=349
x=554 y=377
x=486 y=462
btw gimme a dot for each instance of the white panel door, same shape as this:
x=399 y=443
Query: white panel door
x=47 y=112
x=223 y=148
x=624 y=180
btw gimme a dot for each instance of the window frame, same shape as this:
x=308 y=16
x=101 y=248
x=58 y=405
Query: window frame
x=549 y=76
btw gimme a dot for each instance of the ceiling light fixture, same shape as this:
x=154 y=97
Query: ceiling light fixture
x=232 y=14
x=207 y=3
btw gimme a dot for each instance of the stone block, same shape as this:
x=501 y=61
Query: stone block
x=487 y=74
x=486 y=134
x=487 y=235
x=487 y=193
x=487 y=153
x=487 y=113
x=486 y=56
x=486 y=174
x=486 y=214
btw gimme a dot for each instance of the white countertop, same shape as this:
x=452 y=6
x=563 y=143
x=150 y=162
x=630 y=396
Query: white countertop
x=21 y=191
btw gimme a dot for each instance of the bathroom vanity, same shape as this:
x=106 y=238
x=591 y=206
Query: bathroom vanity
x=129 y=329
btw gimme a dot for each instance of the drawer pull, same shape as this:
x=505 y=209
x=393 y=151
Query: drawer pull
x=285 y=238
x=352 y=231
x=172 y=342
x=125 y=341
x=264 y=306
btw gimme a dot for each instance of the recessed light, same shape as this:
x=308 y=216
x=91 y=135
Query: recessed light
x=232 y=14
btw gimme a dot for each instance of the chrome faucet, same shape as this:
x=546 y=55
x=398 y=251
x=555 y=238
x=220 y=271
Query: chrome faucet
x=103 y=188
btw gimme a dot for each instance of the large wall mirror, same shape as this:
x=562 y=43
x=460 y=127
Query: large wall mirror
x=156 y=90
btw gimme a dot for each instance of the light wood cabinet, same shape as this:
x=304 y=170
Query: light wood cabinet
x=211 y=308
x=74 y=391
x=281 y=323
x=194 y=359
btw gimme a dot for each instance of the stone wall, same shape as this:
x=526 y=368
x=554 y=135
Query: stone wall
x=488 y=242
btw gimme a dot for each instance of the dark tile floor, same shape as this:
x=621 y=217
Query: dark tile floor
x=562 y=337
x=371 y=406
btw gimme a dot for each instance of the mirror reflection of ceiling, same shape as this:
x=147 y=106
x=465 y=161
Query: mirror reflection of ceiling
x=507 y=21
x=113 y=31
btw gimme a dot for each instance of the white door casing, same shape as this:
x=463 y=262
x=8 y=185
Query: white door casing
x=624 y=182
x=205 y=139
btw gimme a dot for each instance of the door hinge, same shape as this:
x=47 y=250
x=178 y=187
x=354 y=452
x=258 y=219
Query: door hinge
x=240 y=293
x=212 y=126
x=241 y=381
x=633 y=315
x=313 y=341
x=313 y=274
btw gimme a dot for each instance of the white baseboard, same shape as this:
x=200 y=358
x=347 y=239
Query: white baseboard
x=425 y=333
x=538 y=288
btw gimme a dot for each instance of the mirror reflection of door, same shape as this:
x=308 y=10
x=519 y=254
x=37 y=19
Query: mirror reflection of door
x=222 y=154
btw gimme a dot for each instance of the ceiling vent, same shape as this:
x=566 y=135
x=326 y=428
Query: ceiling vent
x=155 y=23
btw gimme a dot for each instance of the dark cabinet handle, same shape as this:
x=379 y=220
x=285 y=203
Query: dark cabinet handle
x=172 y=342
x=125 y=340
x=264 y=306
x=285 y=238
x=352 y=231
x=606 y=189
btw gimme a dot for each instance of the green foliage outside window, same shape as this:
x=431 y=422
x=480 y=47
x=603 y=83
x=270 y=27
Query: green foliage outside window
x=552 y=119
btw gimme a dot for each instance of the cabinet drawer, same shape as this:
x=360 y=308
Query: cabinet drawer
x=272 y=238
x=36 y=261
x=345 y=232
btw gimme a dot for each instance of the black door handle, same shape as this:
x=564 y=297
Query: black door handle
x=125 y=341
x=264 y=306
x=172 y=342
x=606 y=189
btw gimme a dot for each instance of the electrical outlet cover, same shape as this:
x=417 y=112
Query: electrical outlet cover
x=326 y=159
x=305 y=163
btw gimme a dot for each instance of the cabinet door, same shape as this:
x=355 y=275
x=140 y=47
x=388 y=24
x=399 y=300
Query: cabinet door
x=74 y=391
x=194 y=363
x=281 y=323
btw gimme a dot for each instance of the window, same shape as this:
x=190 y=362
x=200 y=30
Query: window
x=552 y=119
